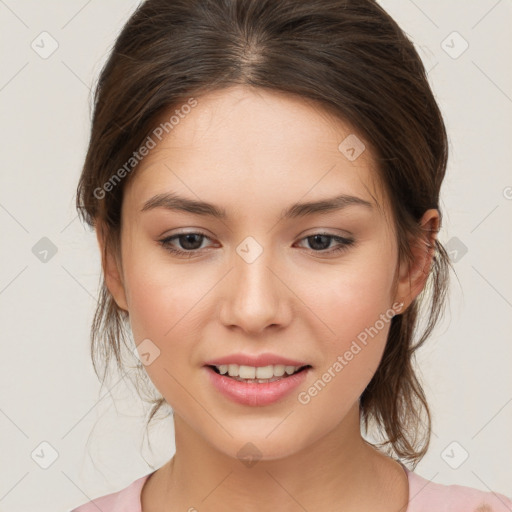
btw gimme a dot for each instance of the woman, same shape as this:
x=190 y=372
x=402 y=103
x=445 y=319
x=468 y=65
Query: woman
x=264 y=178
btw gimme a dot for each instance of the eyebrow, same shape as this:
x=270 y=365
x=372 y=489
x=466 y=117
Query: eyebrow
x=171 y=201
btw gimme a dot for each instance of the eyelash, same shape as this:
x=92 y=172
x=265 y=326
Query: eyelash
x=345 y=244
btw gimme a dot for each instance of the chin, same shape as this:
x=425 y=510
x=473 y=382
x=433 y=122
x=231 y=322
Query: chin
x=250 y=450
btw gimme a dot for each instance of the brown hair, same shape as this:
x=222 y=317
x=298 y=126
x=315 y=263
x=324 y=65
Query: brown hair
x=351 y=58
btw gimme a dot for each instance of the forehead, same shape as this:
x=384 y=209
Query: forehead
x=244 y=145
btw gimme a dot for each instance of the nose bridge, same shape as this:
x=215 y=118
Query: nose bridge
x=255 y=297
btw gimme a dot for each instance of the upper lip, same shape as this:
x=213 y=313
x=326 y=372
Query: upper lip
x=255 y=360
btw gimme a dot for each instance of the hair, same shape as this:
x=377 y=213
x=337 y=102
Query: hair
x=353 y=60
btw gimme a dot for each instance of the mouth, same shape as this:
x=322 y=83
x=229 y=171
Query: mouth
x=257 y=386
x=257 y=375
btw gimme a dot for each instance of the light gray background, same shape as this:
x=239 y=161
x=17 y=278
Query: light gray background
x=49 y=392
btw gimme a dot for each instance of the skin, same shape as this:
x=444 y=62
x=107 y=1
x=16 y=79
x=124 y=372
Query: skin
x=254 y=153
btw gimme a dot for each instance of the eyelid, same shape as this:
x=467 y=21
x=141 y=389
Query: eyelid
x=316 y=231
x=343 y=243
x=326 y=231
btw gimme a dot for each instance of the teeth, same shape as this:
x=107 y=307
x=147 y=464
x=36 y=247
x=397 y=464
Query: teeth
x=253 y=372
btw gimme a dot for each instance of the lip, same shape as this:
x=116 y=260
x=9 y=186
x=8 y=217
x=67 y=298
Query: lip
x=256 y=394
x=266 y=359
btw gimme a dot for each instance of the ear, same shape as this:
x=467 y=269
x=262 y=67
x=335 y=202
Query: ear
x=413 y=275
x=111 y=269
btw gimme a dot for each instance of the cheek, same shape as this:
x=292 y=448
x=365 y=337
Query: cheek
x=161 y=296
x=354 y=301
x=164 y=304
x=352 y=355
x=350 y=297
x=161 y=300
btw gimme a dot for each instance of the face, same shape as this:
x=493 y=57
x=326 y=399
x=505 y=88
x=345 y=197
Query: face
x=256 y=280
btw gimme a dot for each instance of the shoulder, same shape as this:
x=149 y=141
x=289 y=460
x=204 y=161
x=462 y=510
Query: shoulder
x=125 y=500
x=425 y=495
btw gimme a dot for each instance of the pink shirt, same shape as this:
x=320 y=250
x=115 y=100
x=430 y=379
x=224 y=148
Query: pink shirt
x=424 y=496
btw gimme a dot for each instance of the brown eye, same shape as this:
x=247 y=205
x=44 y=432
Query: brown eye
x=320 y=243
x=190 y=243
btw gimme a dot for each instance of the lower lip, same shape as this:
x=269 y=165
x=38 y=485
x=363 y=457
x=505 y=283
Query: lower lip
x=255 y=394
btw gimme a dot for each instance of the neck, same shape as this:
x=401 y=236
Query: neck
x=337 y=468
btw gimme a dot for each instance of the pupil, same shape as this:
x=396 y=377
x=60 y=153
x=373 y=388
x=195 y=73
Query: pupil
x=188 y=237
x=326 y=238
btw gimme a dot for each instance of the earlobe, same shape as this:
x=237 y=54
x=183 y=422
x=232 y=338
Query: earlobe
x=111 y=269
x=414 y=274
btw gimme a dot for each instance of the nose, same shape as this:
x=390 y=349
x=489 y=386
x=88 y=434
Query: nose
x=255 y=297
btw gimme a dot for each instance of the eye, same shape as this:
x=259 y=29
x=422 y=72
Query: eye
x=321 y=241
x=191 y=243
